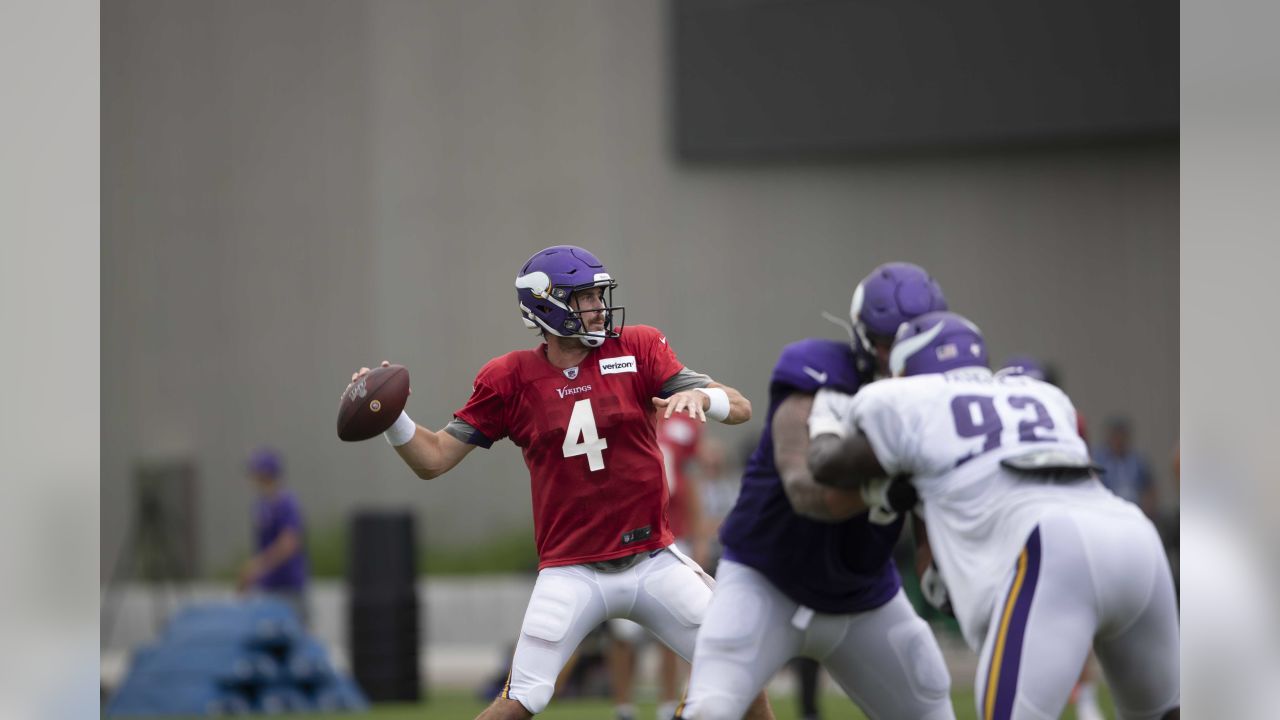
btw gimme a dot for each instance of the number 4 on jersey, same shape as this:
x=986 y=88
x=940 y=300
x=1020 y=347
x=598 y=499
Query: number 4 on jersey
x=582 y=424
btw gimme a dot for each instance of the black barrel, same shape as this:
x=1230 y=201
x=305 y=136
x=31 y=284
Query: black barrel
x=382 y=607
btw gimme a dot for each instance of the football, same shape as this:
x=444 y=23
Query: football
x=371 y=404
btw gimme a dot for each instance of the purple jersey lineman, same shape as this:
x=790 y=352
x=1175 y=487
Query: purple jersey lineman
x=832 y=568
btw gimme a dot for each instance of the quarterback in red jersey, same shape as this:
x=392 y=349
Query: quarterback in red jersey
x=583 y=407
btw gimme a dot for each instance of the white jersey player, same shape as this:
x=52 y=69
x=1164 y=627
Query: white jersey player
x=1039 y=560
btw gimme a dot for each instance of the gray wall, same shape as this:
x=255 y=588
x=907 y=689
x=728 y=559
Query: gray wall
x=293 y=189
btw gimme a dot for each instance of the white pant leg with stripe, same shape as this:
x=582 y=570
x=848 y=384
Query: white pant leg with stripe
x=1084 y=578
x=886 y=659
x=662 y=593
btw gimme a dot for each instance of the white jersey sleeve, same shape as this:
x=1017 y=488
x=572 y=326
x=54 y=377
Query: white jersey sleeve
x=885 y=413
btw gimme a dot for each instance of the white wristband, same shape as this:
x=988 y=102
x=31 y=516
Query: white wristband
x=719 y=410
x=402 y=431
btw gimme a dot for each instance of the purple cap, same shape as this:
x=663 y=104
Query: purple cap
x=265 y=461
x=1024 y=365
x=937 y=342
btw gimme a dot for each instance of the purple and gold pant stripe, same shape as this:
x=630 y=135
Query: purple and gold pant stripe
x=1002 y=675
x=506 y=688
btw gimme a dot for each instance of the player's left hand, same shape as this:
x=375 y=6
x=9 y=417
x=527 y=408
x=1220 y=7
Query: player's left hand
x=689 y=401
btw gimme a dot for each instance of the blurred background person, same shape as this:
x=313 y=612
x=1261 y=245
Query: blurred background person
x=719 y=480
x=1125 y=472
x=679 y=437
x=278 y=567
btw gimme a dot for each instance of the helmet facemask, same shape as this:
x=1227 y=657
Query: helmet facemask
x=867 y=346
x=576 y=324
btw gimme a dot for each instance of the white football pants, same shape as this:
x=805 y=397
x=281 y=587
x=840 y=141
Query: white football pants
x=1083 y=579
x=885 y=659
x=666 y=593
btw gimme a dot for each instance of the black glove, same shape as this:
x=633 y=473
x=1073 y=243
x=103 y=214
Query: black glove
x=888 y=498
x=902 y=495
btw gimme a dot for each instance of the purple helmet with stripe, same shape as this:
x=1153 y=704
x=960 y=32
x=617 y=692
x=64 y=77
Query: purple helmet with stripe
x=545 y=288
x=892 y=294
x=937 y=342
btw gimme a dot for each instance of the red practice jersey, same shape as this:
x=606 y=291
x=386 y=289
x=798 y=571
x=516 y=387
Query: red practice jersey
x=678 y=437
x=589 y=440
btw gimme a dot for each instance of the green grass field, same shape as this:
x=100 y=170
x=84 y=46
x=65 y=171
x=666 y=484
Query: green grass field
x=456 y=705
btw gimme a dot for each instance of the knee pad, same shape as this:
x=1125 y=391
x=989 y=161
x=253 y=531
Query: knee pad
x=735 y=628
x=555 y=605
x=553 y=623
x=537 y=697
x=918 y=651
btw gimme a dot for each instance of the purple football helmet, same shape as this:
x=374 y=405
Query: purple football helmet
x=1023 y=365
x=548 y=281
x=892 y=294
x=937 y=342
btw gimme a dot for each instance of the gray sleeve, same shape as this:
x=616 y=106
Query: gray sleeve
x=686 y=379
x=462 y=431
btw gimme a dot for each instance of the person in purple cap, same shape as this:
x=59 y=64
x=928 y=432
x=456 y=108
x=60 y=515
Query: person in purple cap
x=803 y=574
x=1038 y=560
x=278 y=567
x=1026 y=365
